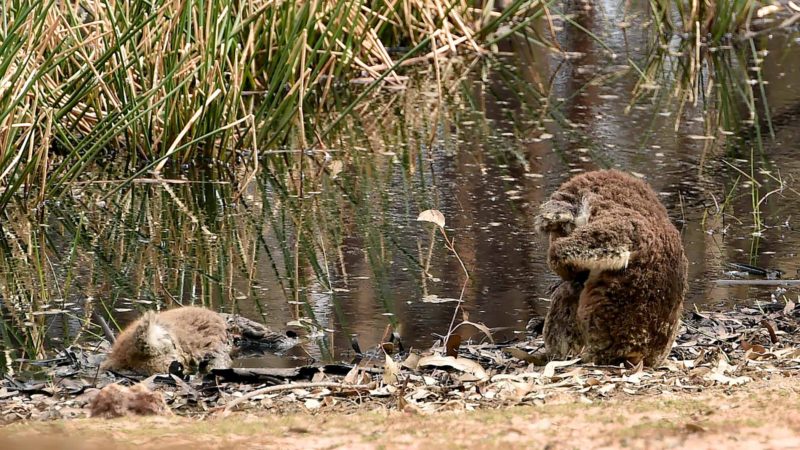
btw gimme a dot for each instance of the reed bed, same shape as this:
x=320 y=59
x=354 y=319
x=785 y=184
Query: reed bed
x=716 y=20
x=149 y=83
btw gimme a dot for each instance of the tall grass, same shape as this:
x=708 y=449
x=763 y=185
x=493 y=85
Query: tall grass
x=697 y=63
x=716 y=18
x=270 y=248
x=150 y=82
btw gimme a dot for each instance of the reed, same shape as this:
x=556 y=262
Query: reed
x=711 y=19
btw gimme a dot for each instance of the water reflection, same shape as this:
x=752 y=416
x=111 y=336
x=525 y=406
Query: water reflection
x=344 y=256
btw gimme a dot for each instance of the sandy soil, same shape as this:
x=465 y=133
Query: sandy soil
x=762 y=414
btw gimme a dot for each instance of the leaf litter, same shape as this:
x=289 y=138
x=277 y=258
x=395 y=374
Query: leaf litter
x=714 y=349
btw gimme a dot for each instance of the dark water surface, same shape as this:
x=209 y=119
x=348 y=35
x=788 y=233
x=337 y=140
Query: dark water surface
x=486 y=155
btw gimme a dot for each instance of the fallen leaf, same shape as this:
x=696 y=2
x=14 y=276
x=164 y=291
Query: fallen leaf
x=718 y=375
x=451 y=346
x=605 y=390
x=521 y=354
x=352 y=376
x=411 y=361
x=433 y=216
x=592 y=382
x=756 y=348
x=479 y=326
x=773 y=337
x=767 y=10
x=550 y=368
x=390 y=370
x=461 y=364
x=433 y=298
x=313 y=404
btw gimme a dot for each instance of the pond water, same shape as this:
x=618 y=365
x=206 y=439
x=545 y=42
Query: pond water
x=344 y=257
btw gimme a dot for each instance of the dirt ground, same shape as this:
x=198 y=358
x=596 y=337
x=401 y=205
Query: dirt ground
x=762 y=414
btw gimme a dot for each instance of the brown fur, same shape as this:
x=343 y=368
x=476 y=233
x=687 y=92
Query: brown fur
x=115 y=400
x=196 y=337
x=623 y=270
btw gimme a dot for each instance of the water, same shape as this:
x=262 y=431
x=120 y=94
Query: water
x=485 y=156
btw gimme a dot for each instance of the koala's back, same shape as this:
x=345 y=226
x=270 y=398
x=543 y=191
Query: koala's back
x=199 y=331
x=613 y=189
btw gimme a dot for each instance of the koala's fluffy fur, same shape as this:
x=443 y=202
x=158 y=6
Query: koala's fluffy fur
x=622 y=267
x=115 y=400
x=198 y=338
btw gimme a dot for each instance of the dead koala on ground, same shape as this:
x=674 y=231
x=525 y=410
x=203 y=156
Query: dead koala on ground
x=197 y=338
x=192 y=339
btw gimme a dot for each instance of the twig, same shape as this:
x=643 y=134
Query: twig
x=450 y=245
x=104 y=325
x=771 y=330
x=284 y=387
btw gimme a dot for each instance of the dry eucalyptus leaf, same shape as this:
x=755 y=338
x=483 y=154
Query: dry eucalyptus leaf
x=520 y=354
x=452 y=344
x=718 y=375
x=605 y=390
x=550 y=368
x=313 y=404
x=483 y=328
x=461 y=364
x=433 y=216
x=756 y=348
x=317 y=377
x=411 y=361
x=388 y=347
x=724 y=379
x=390 y=370
x=352 y=376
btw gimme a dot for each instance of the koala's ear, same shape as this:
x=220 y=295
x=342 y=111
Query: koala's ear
x=555 y=216
x=142 y=330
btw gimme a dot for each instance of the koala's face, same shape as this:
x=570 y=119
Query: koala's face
x=160 y=348
x=159 y=339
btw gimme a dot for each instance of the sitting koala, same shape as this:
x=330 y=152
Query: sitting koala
x=622 y=267
x=197 y=338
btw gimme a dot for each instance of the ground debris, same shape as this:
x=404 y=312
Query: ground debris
x=714 y=349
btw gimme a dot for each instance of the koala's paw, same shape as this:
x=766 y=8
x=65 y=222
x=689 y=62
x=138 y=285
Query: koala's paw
x=598 y=259
x=555 y=216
